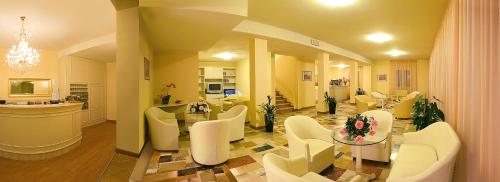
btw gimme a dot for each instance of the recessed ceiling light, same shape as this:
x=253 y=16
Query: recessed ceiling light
x=379 y=37
x=224 y=55
x=337 y=3
x=341 y=65
x=395 y=53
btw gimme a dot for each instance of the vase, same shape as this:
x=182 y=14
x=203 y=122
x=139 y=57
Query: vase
x=269 y=122
x=165 y=99
x=332 y=107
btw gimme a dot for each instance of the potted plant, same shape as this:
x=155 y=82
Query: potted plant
x=269 y=112
x=426 y=112
x=331 y=102
x=165 y=99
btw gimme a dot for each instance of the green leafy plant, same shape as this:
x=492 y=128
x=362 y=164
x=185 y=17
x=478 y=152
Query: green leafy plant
x=426 y=112
x=329 y=99
x=269 y=111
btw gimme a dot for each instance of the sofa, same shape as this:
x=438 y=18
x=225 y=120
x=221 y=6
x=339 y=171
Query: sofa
x=280 y=169
x=427 y=155
x=404 y=108
x=236 y=117
x=308 y=139
x=210 y=142
x=380 y=151
x=163 y=128
x=364 y=103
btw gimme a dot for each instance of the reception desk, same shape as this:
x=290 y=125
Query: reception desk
x=35 y=132
x=341 y=93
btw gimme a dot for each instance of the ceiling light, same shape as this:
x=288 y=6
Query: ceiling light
x=395 y=53
x=337 y=3
x=379 y=37
x=224 y=55
x=341 y=65
x=22 y=58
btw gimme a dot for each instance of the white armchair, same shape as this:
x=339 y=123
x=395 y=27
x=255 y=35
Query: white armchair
x=427 y=155
x=236 y=116
x=381 y=151
x=210 y=142
x=308 y=139
x=380 y=98
x=163 y=128
x=292 y=170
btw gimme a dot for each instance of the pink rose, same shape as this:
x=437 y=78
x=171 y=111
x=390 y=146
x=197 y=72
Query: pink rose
x=374 y=123
x=359 y=124
x=343 y=133
x=372 y=132
x=359 y=139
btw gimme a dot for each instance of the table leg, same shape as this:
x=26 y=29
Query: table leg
x=383 y=104
x=358 y=159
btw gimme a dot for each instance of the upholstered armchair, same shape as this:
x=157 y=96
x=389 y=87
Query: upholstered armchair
x=210 y=142
x=380 y=98
x=163 y=128
x=427 y=155
x=381 y=151
x=405 y=107
x=364 y=103
x=236 y=117
x=308 y=139
x=292 y=170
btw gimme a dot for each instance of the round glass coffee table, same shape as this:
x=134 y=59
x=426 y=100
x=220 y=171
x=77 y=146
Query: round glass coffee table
x=380 y=136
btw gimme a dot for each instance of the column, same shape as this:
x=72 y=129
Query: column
x=354 y=80
x=260 y=80
x=323 y=64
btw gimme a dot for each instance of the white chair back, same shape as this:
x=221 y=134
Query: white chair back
x=210 y=141
x=384 y=119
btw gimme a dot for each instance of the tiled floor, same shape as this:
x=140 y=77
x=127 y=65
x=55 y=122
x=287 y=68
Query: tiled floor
x=245 y=162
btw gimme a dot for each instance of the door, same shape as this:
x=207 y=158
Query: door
x=97 y=103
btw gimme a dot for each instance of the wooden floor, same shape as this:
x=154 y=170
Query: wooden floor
x=85 y=163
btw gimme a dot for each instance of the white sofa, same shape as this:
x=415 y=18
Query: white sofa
x=210 y=142
x=236 y=116
x=280 y=169
x=308 y=139
x=381 y=151
x=427 y=155
x=163 y=128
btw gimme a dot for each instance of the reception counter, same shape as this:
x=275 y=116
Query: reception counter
x=341 y=93
x=35 y=132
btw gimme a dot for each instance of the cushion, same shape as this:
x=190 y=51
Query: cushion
x=412 y=160
x=322 y=154
x=310 y=176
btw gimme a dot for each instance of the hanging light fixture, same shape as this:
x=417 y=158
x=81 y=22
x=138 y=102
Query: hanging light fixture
x=21 y=58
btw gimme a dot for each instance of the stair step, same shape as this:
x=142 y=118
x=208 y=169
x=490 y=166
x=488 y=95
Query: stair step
x=284 y=110
x=282 y=105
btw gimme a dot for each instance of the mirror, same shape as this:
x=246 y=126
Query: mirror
x=29 y=87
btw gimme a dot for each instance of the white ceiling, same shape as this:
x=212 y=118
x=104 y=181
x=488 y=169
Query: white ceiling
x=56 y=24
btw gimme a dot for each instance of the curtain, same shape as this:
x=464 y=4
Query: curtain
x=464 y=74
x=403 y=75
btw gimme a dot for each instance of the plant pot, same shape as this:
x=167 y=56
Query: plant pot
x=332 y=107
x=269 y=123
x=165 y=99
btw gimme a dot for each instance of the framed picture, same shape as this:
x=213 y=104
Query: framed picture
x=382 y=77
x=307 y=76
x=146 y=69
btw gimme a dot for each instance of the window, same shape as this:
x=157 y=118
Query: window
x=404 y=74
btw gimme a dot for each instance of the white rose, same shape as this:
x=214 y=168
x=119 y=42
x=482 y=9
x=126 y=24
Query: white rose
x=201 y=108
x=193 y=109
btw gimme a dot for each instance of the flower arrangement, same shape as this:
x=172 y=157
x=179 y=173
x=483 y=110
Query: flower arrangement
x=331 y=102
x=168 y=87
x=165 y=98
x=357 y=127
x=198 y=107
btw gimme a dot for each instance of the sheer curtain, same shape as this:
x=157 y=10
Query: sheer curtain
x=403 y=75
x=465 y=75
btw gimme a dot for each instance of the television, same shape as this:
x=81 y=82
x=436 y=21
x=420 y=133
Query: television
x=214 y=88
x=228 y=92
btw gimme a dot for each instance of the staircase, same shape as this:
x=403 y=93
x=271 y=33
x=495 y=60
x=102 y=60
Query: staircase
x=282 y=104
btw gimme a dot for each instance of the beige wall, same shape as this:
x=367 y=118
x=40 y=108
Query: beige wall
x=380 y=67
x=243 y=77
x=181 y=69
x=48 y=68
x=307 y=93
x=111 y=91
x=290 y=84
x=367 y=79
x=221 y=64
x=423 y=76
x=338 y=73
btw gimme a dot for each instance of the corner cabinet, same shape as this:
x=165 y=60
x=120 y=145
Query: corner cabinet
x=92 y=74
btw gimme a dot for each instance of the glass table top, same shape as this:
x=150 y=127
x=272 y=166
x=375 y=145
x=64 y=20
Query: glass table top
x=380 y=136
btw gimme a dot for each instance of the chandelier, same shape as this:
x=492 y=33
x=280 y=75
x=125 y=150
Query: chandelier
x=21 y=58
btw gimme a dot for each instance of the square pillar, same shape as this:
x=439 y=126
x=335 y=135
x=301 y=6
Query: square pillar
x=260 y=80
x=354 y=81
x=323 y=65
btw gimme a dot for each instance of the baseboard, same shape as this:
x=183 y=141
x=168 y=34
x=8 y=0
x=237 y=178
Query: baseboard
x=124 y=152
x=111 y=121
x=257 y=128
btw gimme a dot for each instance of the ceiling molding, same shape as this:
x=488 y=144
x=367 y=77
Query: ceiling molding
x=103 y=40
x=124 y=4
x=257 y=28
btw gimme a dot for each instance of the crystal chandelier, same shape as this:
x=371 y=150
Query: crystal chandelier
x=21 y=58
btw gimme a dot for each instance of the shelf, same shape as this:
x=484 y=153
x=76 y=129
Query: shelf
x=229 y=75
x=229 y=82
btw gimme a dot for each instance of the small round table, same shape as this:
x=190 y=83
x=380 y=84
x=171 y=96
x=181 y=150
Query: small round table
x=191 y=118
x=369 y=140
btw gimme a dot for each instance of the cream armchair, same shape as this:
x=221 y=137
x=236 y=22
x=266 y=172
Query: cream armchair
x=210 y=142
x=364 y=103
x=380 y=98
x=427 y=155
x=163 y=128
x=405 y=107
x=308 y=139
x=280 y=169
x=381 y=151
x=236 y=117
